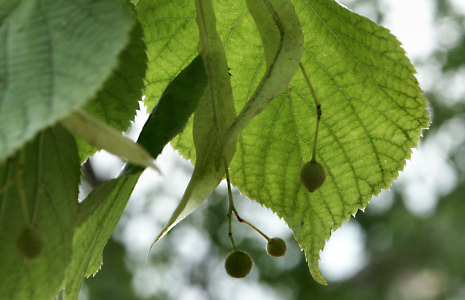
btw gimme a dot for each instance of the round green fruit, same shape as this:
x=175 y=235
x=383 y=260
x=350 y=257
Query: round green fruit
x=276 y=247
x=30 y=242
x=238 y=264
x=312 y=175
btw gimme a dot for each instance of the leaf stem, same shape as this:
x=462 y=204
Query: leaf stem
x=318 y=109
x=255 y=228
x=231 y=206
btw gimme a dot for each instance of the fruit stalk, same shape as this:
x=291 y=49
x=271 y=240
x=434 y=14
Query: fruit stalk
x=313 y=174
x=318 y=109
x=231 y=206
x=232 y=209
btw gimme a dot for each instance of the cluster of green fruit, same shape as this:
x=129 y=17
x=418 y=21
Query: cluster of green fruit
x=239 y=263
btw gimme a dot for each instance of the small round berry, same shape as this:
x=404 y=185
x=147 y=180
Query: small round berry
x=276 y=247
x=312 y=175
x=238 y=264
x=30 y=242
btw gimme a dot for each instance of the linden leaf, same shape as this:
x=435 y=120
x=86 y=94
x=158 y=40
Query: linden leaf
x=55 y=55
x=373 y=109
x=373 y=114
x=39 y=186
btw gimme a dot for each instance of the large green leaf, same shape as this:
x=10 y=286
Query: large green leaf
x=373 y=113
x=54 y=55
x=373 y=110
x=44 y=175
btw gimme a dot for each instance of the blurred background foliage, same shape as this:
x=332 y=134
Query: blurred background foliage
x=408 y=244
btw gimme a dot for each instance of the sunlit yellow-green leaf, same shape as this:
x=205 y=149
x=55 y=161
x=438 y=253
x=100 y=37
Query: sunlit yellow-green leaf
x=373 y=109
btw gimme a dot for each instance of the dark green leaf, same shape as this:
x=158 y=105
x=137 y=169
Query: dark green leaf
x=176 y=105
x=44 y=175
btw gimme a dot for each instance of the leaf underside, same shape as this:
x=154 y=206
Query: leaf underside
x=373 y=110
x=54 y=56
